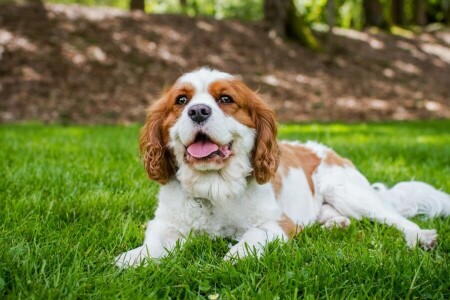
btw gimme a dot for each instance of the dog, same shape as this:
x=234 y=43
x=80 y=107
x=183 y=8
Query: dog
x=211 y=142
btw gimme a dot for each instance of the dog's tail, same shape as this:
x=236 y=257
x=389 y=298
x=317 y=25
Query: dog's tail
x=414 y=198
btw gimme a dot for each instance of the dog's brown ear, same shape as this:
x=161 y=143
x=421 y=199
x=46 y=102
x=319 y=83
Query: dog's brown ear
x=266 y=155
x=158 y=159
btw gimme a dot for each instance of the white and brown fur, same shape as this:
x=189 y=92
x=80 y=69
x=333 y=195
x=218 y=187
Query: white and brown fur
x=264 y=190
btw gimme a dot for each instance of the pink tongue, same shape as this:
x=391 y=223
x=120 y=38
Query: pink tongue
x=202 y=149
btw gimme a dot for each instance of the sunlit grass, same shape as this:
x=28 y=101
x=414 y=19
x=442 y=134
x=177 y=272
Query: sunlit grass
x=71 y=198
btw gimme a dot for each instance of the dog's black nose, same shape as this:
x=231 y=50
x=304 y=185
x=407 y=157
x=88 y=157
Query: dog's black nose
x=199 y=112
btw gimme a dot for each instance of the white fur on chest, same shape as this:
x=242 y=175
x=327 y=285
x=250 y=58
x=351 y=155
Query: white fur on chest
x=186 y=213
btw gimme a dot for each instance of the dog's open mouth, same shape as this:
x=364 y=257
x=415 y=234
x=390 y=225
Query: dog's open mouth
x=203 y=148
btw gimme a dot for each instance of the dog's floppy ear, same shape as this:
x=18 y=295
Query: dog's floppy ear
x=158 y=159
x=266 y=154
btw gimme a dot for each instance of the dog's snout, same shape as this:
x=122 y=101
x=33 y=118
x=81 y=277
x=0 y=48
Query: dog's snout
x=199 y=113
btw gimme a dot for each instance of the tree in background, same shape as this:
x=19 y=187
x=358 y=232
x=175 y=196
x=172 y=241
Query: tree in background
x=137 y=5
x=373 y=13
x=284 y=18
x=398 y=12
x=184 y=5
x=420 y=12
x=331 y=23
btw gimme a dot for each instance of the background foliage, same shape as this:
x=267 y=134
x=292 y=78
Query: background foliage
x=349 y=13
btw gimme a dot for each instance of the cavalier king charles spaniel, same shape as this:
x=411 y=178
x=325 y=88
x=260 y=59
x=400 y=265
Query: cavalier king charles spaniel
x=211 y=142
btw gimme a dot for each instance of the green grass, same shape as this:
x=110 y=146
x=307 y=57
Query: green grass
x=72 y=198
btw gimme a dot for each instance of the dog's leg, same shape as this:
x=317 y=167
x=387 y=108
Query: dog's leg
x=351 y=195
x=254 y=240
x=413 y=233
x=160 y=238
x=330 y=217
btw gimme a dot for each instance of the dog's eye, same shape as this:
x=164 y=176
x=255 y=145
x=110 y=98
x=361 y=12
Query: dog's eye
x=181 y=100
x=225 y=99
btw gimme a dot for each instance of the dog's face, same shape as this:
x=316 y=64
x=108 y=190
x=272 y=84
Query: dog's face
x=209 y=122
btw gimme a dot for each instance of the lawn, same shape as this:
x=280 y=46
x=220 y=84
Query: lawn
x=72 y=198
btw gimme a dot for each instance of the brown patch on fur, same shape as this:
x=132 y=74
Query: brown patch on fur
x=238 y=108
x=334 y=159
x=295 y=156
x=161 y=116
x=249 y=109
x=277 y=181
x=289 y=227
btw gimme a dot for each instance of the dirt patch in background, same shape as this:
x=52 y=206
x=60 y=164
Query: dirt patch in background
x=61 y=63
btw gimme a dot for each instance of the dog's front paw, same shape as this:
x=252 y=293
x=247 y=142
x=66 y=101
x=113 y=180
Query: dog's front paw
x=236 y=252
x=338 y=222
x=132 y=258
x=241 y=250
x=426 y=238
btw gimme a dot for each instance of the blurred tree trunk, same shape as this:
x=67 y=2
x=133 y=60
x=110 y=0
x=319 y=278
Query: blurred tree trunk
x=398 y=12
x=183 y=4
x=331 y=21
x=373 y=13
x=137 y=5
x=446 y=8
x=275 y=14
x=284 y=18
x=420 y=12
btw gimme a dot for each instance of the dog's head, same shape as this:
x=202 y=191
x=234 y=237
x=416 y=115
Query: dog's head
x=209 y=122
